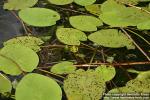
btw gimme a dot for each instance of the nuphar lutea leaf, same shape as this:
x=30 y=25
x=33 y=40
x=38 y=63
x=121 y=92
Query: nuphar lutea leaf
x=28 y=41
x=84 y=85
x=19 y=4
x=64 y=67
x=106 y=72
x=70 y=36
x=40 y=17
x=84 y=2
x=5 y=84
x=132 y=2
x=85 y=23
x=111 y=38
x=94 y=9
x=17 y=58
x=60 y=2
x=38 y=87
x=112 y=15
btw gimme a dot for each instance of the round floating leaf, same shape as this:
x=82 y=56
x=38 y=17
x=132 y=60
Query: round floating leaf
x=9 y=66
x=21 y=58
x=94 y=9
x=84 y=2
x=132 y=2
x=64 y=67
x=144 y=25
x=39 y=16
x=28 y=41
x=143 y=75
x=60 y=2
x=70 y=36
x=19 y=4
x=5 y=84
x=111 y=38
x=85 y=23
x=84 y=85
x=112 y=15
x=38 y=87
x=140 y=86
x=106 y=73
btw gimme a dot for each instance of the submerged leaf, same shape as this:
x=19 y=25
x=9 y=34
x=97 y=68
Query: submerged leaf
x=19 y=4
x=84 y=85
x=5 y=84
x=85 y=23
x=39 y=16
x=16 y=58
x=70 y=36
x=84 y=2
x=107 y=73
x=28 y=41
x=60 y=2
x=111 y=38
x=64 y=67
x=38 y=87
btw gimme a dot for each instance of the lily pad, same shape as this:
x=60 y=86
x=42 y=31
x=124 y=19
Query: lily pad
x=111 y=38
x=38 y=87
x=19 y=4
x=28 y=41
x=140 y=86
x=64 y=67
x=132 y=2
x=144 y=25
x=17 y=58
x=40 y=17
x=144 y=75
x=5 y=84
x=85 y=23
x=107 y=73
x=112 y=15
x=94 y=9
x=70 y=36
x=60 y=2
x=84 y=85
x=84 y=2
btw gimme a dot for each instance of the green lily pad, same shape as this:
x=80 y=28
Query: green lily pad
x=28 y=41
x=17 y=58
x=112 y=15
x=84 y=2
x=64 y=67
x=140 y=86
x=5 y=84
x=94 y=9
x=19 y=4
x=85 y=23
x=144 y=75
x=70 y=36
x=60 y=2
x=40 y=17
x=144 y=25
x=84 y=85
x=132 y=2
x=107 y=73
x=111 y=38
x=38 y=87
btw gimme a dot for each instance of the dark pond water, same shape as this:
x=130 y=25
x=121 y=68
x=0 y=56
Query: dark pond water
x=9 y=26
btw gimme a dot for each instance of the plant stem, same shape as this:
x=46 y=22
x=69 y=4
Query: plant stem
x=135 y=44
